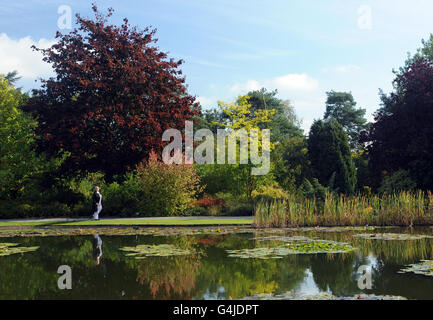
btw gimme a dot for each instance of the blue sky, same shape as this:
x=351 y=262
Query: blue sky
x=302 y=48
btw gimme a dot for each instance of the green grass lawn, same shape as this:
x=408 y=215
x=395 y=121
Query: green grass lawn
x=24 y=223
x=181 y=221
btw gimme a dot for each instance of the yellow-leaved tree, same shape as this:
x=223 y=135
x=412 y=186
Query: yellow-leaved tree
x=246 y=128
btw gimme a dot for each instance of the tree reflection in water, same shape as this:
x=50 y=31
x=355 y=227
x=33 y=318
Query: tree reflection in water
x=208 y=273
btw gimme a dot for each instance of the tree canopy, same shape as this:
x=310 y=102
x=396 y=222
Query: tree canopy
x=12 y=77
x=19 y=164
x=341 y=106
x=401 y=137
x=285 y=123
x=113 y=96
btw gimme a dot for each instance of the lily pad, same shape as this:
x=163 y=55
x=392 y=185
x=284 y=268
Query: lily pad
x=337 y=229
x=7 y=249
x=282 y=238
x=294 y=247
x=425 y=268
x=392 y=236
x=162 y=250
x=117 y=231
x=320 y=296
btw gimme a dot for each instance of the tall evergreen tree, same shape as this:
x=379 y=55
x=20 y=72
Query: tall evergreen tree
x=330 y=156
x=12 y=77
x=341 y=106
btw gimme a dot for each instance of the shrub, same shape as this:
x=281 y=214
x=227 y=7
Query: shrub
x=55 y=209
x=195 y=211
x=122 y=199
x=314 y=190
x=243 y=209
x=166 y=190
x=269 y=192
x=397 y=181
x=207 y=202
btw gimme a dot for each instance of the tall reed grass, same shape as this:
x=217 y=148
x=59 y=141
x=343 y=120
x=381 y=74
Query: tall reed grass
x=399 y=209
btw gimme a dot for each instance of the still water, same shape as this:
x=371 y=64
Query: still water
x=100 y=270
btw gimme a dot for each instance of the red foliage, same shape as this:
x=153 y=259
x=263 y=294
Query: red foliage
x=209 y=202
x=113 y=96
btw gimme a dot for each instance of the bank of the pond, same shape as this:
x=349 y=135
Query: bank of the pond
x=157 y=221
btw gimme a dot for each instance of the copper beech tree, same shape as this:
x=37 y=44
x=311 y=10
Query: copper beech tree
x=113 y=96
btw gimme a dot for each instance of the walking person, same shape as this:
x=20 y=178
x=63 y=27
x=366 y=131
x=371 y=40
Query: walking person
x=96 y=203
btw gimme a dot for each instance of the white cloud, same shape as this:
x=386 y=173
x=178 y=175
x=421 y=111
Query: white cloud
x=288 y=84
x=18 y=55
x=250 y=85
x=204 y=101
x=295 y=82
x=309 y=109
x=341 y=69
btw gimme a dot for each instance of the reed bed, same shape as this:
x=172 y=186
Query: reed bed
x=399 y=209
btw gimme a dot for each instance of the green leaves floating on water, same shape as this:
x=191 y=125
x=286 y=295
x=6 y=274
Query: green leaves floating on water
x=337 y=229
x=282 y=238
x=424 y=268
x=117 y=231
x=7 y=249
x=392 y=236
x=320 y=296
x=162 y=250
x=27 y=231
x=294 y=247
x=319 y=246
x=258 y=253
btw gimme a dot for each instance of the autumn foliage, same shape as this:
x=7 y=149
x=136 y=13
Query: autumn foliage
x=113 y=96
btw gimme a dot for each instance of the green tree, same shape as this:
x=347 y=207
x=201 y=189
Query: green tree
x=239 y=117
x=396 y=182
x=12 y=77
x=341 y=106
x=425 y=52
x=211 y=119
x=285 y=123
x=19 y=165
x=330 y=156
x=291 y=163
x=360 y=160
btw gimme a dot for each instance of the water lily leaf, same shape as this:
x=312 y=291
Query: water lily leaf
x=294 y=247
x=282 y=238
x=319 y=296
x=425 y=268
x=392 y=236
x=162 y=250
x=7 y=249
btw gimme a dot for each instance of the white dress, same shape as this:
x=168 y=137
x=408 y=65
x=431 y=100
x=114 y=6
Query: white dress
x=98 y=208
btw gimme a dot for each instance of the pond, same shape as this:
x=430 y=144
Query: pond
x=216 y=263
